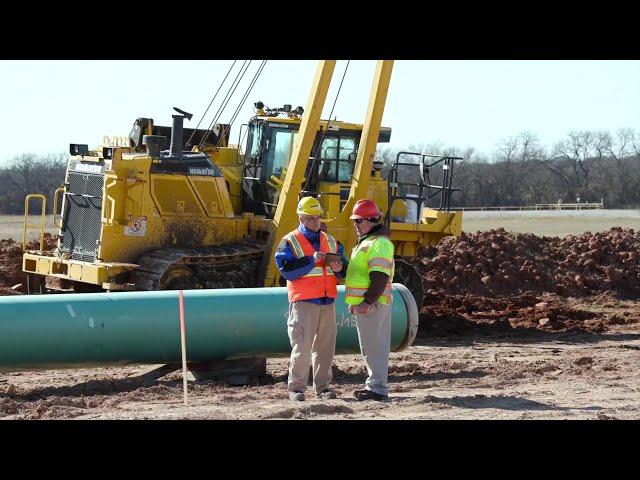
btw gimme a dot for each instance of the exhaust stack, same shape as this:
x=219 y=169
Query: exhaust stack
x=154 y=144
x=175 y=150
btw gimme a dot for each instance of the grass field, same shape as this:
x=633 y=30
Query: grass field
x=11 y=226
x=549 y=223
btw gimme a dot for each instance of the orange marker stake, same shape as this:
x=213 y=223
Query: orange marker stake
x=183 y=336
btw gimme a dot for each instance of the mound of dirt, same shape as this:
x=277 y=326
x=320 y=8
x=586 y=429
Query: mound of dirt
x=496 y=281
x=11 y=262
x=496 y=262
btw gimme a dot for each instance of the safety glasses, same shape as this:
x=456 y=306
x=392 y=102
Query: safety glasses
x=360 y=220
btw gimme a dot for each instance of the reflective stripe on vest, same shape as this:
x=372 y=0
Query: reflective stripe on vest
x=380 y=262
x=295 y=244
x=357 y=281
x=320 y=282
x=355 y=292
x=318 y=271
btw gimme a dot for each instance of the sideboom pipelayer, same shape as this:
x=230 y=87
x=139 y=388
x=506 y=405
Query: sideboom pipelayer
x=208 y=214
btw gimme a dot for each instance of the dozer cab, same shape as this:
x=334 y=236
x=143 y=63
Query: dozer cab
x=136 y=215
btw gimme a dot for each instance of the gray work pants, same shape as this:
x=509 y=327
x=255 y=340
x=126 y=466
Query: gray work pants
x=374 y=333
x=312 y=333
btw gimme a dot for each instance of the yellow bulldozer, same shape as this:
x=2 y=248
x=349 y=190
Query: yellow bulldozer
x=203 y=213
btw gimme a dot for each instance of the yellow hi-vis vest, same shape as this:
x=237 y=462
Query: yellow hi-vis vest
x=373 y=254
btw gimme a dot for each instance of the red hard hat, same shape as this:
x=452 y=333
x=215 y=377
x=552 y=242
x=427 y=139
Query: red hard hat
x=365 y=209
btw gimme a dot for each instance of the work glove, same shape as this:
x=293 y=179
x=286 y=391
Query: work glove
x=361 y=309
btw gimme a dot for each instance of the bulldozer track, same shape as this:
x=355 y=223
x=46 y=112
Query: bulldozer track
x=408 y=275
x=232 y=265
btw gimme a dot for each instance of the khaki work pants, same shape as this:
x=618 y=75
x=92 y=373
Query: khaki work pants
x=312 y=332
x=374 y=334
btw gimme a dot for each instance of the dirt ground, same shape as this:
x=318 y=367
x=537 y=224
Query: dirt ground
x=479 y=376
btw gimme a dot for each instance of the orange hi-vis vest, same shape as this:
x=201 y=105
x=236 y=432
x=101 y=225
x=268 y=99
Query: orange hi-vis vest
x=320 y=282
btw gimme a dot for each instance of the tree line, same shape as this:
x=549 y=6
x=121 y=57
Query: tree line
x=30 y=173
x=585 y=166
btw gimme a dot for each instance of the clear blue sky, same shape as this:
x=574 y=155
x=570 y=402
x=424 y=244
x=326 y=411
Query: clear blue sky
x=48 y=104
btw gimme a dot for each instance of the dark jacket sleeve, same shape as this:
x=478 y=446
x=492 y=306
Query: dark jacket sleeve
x=376 y=287
x=290 y=267
x=342 y=273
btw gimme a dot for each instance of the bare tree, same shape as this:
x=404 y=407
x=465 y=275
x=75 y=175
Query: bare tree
x=618 y=149
x=573 y=161
x=30 y=173
x=514 y=154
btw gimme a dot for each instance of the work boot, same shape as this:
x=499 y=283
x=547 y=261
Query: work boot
x=326 y=394
x=297 y=396
x=369 y=395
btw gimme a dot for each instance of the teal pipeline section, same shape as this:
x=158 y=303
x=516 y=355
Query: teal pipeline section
x=78 y=330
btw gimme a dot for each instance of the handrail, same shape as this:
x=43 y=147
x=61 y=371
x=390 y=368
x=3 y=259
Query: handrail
x=29 y=225
x=427 y=190
x=55 y=207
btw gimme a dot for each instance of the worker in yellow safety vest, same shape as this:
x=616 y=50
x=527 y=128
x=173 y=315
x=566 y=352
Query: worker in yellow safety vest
x=369 y=274
x=312 y=285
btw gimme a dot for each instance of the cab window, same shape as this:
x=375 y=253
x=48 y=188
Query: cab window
x=337 y=159
x=280 y=147
x=253 y=141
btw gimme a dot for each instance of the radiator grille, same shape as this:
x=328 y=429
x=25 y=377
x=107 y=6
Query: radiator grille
x=82 y=216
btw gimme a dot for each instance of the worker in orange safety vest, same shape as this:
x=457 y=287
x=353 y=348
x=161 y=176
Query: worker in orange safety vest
x=312 y=286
